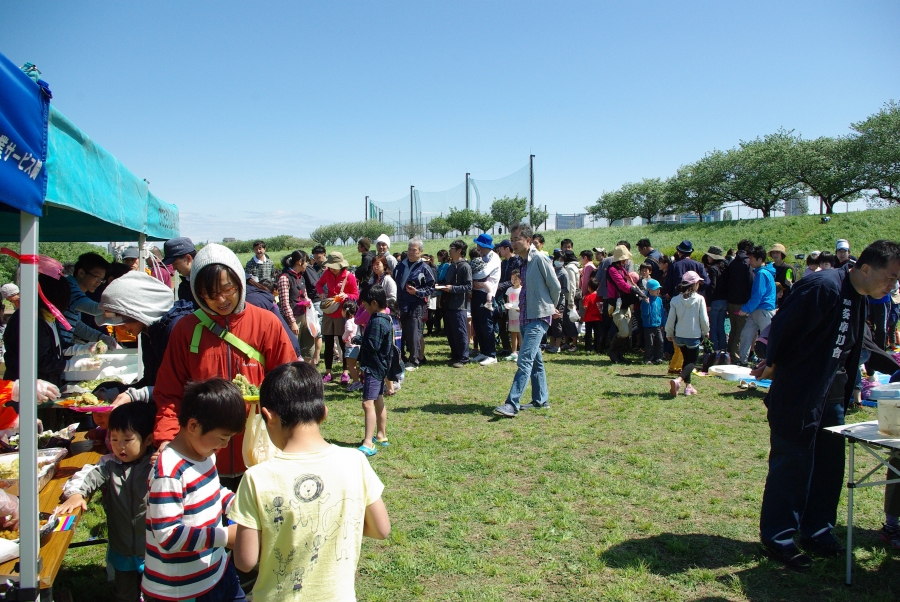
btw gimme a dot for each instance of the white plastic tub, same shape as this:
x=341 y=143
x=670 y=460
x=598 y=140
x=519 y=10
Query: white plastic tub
x=730 y=372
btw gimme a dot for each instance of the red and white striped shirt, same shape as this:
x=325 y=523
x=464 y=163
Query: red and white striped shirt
x=185 y=533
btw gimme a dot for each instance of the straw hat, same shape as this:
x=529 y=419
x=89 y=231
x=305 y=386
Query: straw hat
x=336 y=260
x=621 y=253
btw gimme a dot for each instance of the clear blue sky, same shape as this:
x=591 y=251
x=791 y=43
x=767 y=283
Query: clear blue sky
x=273 y=117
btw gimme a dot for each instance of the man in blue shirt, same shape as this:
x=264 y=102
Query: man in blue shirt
x=760 y=309
x=88 y=274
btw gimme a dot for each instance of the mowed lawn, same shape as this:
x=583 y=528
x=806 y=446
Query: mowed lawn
x=618 y=492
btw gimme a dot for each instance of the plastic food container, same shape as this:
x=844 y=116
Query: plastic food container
x=889 y=417
x=730 y=372
x=48 y=461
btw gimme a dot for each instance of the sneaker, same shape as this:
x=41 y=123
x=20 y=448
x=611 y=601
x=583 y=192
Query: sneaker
x=479 y=358
x=790 y=556
x=512 y=357
x=690 y=390
x=551 y=350
x=345 y=379
x=459 y=364
x=891 y=534
x=648 y=363
x=411 y=367
x=675 y=385
x=354 y=387
x=327 y=378
x=507 y=410
x=488 y=361
x=534 y=406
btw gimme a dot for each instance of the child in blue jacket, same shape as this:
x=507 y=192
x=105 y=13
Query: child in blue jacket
x=652 y=319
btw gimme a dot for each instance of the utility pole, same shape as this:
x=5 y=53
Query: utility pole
x=366 y=216
x=411 y=214
x=531 y=199
x=467 y=191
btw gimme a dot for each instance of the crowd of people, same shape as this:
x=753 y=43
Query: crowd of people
x=177 y=468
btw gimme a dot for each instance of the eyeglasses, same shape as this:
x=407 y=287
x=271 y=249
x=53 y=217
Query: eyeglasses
x=225 y=292
x=102 y=278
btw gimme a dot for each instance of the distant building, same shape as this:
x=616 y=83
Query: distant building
x=229 y=239
x=570 y=221
x=797 y=205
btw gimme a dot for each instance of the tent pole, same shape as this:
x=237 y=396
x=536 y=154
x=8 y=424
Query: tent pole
x=142 y=264
x=28 y=493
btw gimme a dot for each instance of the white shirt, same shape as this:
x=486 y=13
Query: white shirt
x=492 y=270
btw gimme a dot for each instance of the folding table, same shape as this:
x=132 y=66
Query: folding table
x=883 y=449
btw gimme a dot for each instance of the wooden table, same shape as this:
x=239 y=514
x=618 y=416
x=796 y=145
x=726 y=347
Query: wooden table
x=82 y=452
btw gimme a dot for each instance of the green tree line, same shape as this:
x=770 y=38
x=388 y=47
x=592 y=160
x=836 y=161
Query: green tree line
x=764 y=172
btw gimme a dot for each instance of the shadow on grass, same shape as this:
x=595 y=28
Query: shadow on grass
x=662 y=394
x=449 y=408
x=670 y=554
x=83 y=578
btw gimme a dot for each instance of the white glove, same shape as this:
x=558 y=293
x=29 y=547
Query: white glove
x=110 y=341
x=86 y=349
x=46 y=391
x=83 y=364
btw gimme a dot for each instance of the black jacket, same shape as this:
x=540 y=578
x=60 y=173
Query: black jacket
x=739 y=279
x=718 y=284
x=50 y=361
x=311 y=277
x=364 y=271
x=155 y=340
x=186 y=294
x=805 y=336
x=507 y=267
x=459 y=278
x=263 y=299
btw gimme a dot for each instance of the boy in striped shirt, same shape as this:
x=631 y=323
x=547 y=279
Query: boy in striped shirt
x=186 y=535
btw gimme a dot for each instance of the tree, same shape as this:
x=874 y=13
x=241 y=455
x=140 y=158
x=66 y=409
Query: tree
x=439 y=226
x=462 y=219
x=879 y=137
x=834 y=169
x=647 y=198
x=759 y=173
x=613 y=206
x=509 y=211
x=538 y=217
x=412 y=229
x=484 y=221
x=693 y=188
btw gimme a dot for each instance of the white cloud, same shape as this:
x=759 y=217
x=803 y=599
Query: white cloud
x=243 y=225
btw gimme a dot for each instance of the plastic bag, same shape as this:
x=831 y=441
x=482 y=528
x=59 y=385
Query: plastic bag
x=312 y=321
x=257 y=447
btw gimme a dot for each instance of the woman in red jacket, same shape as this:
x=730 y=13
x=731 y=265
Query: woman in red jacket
x=219 y=288
x=341 y=285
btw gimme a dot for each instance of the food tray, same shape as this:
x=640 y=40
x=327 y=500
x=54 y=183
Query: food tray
x=48 y=461
x=730 y=372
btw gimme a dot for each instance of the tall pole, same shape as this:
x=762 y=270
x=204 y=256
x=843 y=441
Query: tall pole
x=411 y=222
x=531 y=200
x=467 y=191
x=366 y=216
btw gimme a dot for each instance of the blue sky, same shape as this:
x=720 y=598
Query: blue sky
x=273 y=117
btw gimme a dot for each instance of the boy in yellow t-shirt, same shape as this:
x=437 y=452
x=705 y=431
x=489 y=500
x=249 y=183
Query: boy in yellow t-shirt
x=307 y=508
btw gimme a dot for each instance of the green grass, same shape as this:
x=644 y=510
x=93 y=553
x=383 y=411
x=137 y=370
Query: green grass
x=800 y=234
x=618 y=492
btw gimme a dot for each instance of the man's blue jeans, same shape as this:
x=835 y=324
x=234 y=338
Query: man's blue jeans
x=530 y=365
x=717 y=313
x=804 y=484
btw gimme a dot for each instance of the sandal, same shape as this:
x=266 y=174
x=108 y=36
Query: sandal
x=368 y=451
x=382 y=442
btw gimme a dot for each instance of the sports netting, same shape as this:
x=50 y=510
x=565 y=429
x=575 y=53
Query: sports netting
x=427 y=205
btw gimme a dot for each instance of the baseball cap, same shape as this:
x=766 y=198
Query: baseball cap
x=175 y=248
x=131 y=253
x=652 y=285
x=504 y=243
x=8 y=290
x=842 y=245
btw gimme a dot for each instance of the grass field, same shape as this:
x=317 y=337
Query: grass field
x=617 y=492
x=800 y=234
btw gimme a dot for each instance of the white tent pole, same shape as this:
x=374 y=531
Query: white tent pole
x=28 y=493
x=142 y=240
